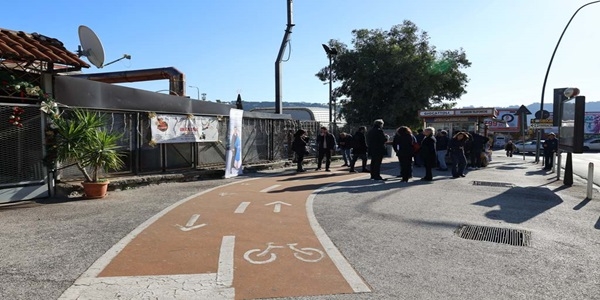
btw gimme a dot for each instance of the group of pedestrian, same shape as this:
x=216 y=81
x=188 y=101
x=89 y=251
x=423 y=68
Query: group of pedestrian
x=431 y=151
x=426 y=149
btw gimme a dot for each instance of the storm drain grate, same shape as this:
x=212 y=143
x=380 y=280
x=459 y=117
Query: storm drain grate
x=513 y=237
x=492 y=183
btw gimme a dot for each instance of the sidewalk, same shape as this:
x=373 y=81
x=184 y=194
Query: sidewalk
x=403 y=238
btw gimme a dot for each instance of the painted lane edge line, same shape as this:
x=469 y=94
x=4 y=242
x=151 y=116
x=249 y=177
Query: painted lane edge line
x=266 y=190
x=241 y=208
x=344 y=267
x=225 y=270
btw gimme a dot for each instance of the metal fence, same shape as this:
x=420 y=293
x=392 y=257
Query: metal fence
x=264 y=140
x=22 y=149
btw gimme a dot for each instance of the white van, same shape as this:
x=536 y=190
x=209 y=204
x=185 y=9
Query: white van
x=500 y=141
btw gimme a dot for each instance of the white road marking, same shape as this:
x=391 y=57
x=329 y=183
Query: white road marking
x=225 y=270
x=270 y=188
x=241 y=208
x=353 y=279
x=190 y=224
x=277 y=205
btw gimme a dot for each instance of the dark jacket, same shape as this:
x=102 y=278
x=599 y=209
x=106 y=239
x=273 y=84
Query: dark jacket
x=359 y=143
x=329 y=138
x=299 y=145
x=428 y=152
x=403 y=144
x=442 y=143
x=376 y=141
x=457 y=146
x=550 y=146
x=346 y=142
x=479 y=142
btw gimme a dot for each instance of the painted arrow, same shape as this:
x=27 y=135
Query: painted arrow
x=190 y=224
x=277 y=205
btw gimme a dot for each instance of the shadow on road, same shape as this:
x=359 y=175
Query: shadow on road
x=520 y=204
x=582 y=204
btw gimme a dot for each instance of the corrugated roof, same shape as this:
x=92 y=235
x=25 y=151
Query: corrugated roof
x=21 y=46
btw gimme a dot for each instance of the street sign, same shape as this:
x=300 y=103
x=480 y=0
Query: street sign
x=523 y=110
x=542 y=114
x=541 y=123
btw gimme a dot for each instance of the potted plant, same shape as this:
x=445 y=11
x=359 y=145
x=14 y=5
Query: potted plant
x=81 y=141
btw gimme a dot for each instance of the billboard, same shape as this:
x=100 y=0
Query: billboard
x=572 y=124
x=183 y=129
x=510 y=121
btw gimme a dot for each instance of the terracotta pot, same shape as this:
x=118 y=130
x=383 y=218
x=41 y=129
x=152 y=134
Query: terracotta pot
x=95 y=190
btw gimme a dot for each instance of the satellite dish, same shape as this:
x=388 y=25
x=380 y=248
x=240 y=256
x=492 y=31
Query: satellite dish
x=92 y=47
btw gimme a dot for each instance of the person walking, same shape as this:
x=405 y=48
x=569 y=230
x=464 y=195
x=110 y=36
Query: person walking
x=441 y=148
x=456 y=147
x=376 y=141
x=345 y=144
x=403 y=145
x=428 y=152
x=325 y=145
x=550 y=147
x=359 y=149
x=509 y=148
x=299 y=147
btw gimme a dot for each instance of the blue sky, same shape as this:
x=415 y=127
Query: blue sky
x=230 y=46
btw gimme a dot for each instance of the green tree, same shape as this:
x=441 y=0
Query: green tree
x=393 y=74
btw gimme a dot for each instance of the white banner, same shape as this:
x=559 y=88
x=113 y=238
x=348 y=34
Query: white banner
x=183 y=129
x=233 y=165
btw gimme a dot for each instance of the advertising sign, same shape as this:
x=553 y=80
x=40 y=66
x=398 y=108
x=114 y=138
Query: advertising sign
x=183 y=129
x=233 y=165
x=510 y=124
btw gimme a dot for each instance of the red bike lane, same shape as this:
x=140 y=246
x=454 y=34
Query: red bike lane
x=251 y=239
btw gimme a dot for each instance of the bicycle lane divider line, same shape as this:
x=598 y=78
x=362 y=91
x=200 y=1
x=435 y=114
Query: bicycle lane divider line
x=225 y=269
x=241 y=208
x=266 y=190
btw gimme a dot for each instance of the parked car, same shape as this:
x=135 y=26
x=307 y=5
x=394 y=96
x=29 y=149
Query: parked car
x=591 y=144
x=527 y=147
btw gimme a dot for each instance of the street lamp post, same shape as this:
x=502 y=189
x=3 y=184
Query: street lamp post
x=537 y=146
x=197 y=91
x=330 y=53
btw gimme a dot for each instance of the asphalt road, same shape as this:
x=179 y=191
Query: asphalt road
x=400 y=237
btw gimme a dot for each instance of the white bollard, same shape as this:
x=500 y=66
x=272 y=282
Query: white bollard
x=590 y=181
x=558 y=164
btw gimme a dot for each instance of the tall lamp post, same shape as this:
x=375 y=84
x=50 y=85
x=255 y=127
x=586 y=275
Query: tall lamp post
x=197 y=91
x=331 y=52
x=537 y=146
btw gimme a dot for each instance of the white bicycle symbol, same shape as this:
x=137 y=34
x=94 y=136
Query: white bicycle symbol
x=303 y=254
